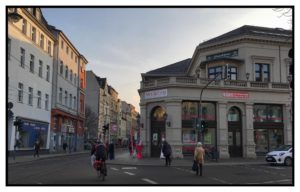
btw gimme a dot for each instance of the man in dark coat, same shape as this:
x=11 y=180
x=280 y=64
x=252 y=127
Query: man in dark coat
x=167 y=151
x=100 y=153
x=36 y=148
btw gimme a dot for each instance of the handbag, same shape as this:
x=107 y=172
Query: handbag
x=162 y=155
x=195 y=166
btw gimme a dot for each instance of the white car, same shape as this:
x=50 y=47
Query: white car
x=281 y=155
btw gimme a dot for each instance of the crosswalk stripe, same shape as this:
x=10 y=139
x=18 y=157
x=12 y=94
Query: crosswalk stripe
x=149 y=181
x=114 y=169
x=129 y=173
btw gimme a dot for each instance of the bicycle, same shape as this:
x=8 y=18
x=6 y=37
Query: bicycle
x=99 y=165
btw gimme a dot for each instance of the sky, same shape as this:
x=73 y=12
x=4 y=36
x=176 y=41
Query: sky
x=122 y=43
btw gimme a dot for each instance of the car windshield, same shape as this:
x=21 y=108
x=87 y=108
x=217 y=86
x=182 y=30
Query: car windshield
x=283 y=148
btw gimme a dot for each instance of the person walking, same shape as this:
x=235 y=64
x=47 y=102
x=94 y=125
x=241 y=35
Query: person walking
x=199 y=154
x=167 y=151
x=36 y=148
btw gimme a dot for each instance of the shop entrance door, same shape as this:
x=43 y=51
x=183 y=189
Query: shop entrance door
x=235 y=133
x=158 y=130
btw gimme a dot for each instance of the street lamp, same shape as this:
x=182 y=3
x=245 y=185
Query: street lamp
x=200 y=103
x=247 y=76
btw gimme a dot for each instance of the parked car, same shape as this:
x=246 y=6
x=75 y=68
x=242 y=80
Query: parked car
x=281 y=155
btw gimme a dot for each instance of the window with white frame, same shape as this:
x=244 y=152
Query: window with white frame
x=42 y=41
x=66 y=98
x=40 y=68
x=24 y=26
x=214 y=71
x=33 y=34
x=30 y=95
x=22 y=59
x=262 y=72
x=46 y=102
x=60 y=95
x=48 y=73
x=20 y=92
x=31 y=67
x=39 y=99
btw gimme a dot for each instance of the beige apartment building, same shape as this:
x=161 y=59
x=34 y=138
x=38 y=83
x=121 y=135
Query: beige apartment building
x=245 y=101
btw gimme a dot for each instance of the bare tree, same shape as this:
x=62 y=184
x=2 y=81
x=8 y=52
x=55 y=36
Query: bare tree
x=285 y=12
x=91 y=122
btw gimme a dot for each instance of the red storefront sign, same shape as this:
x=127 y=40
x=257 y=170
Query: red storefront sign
x=236 y=95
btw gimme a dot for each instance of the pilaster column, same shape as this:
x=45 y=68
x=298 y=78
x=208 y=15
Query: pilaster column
x=287 y=121
x=145 y=131
x=222 y=130
x=174 y=131
x=249 y=145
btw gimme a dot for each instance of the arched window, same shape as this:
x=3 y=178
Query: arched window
x=233 y=114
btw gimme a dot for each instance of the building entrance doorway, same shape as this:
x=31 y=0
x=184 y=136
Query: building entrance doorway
x=158 y=130
x=235 y=132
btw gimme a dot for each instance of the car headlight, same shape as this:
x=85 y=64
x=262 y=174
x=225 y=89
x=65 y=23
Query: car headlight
x=280 y=154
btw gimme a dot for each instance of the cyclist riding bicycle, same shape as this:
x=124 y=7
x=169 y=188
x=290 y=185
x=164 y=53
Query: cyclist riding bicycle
x=100 y=153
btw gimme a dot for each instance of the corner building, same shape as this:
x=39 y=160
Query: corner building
x=248 y=113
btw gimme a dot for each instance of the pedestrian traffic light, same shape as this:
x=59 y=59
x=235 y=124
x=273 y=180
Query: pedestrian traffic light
x=203 y=126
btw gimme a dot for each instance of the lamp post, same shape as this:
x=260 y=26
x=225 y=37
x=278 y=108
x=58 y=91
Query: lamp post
x=200 y=102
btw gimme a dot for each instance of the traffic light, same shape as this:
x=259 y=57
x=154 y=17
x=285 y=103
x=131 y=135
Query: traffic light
x=105 y=127
x=203 y=126
x=19 y=124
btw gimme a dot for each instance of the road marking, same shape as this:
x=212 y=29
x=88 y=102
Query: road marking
x=219 y=180
x=278 y=181
x=114 y=169
x=128 y=167
x=149 y=181
x=129 y=173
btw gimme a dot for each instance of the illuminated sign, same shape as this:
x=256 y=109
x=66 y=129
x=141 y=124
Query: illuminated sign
x=156 y=94
x=236 y=95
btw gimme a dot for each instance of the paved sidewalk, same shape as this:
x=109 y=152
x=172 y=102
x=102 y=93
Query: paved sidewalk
x=122 y=157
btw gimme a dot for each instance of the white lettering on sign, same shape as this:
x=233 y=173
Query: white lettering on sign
x=237 y=95
x=156 y=94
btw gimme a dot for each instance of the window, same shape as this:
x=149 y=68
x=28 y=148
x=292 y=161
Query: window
x=60 y=95
x=39 y=99
x=20 y=92
x=49 y=47
x=74 y=102
x=262 y=72
x=71 y=55
x=40 y=68
x=31 y=67
x=42 y=41
x=8 y=48
x=71 y=75
x=213 y=71
x=62 y=44
x=75 y=59
x=67 y=50
x=48 y=73
x=70 y=101
x=24 y=26
x=46 y=101
x=66 y=72
x=66 y=97
x=232 y=73
x=61 y=67
x=267 y=113
x=22 y=59
x=33 y=34
x=75 y=79
x=30 y=95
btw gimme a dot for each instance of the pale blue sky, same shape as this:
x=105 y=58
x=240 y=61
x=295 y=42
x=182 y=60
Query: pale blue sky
x=122 y=43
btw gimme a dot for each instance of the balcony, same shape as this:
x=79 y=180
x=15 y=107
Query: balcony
x=194 y=82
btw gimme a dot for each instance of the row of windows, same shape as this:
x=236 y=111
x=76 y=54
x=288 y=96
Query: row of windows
x=67 y=51
x=69 y=100
x=261 y=112
x=66 y=75
x=262 y=72
x=41 y=41
x=31 y=96
x=32 y=65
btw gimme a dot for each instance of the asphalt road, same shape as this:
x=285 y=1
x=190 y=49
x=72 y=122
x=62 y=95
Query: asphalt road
x=76 y=170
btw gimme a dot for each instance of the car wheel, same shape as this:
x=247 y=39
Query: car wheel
x=288 y=161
